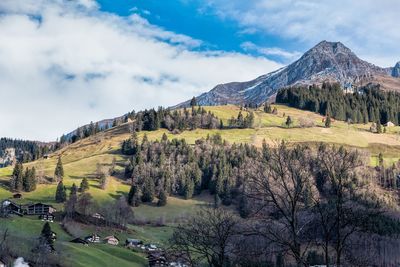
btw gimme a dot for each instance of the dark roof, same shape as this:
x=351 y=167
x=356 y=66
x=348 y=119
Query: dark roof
x=34 y=204
x=79 y=241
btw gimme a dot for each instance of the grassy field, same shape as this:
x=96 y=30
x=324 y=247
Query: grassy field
x=27 y=229
x=81 y=158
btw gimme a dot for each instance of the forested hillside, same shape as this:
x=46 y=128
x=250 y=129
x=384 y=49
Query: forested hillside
x=25 y=151
x=366 y=104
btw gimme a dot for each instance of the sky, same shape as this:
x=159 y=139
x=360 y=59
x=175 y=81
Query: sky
x=64 y=63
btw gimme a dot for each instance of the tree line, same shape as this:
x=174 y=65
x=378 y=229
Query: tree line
x=178 y=120
x=25 y=151
x=367 y=104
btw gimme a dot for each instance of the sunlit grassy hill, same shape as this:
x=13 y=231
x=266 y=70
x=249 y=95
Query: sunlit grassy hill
x=80 y=160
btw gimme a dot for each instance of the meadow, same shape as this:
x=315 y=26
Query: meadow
x=80 y=160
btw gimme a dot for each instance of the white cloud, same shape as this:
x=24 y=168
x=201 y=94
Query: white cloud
x=64 y=63
x=271 y=51
x=368 y=27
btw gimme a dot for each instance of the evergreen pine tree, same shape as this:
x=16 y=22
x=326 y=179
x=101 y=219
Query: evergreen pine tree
x=148 y=190
x=378 y=127
x=46 y=238
x=17 y=177
x=84 y=186
x=133 y=196
x=288 y=122
x=25 y=178
x=61 y=194
x=70 y=205
x=221 y=124
x=188 y=189
x=328 y=121
x=162 y=199
x=380 y=160
x=217 y=201
x=267 y=108
x=29 y=181
x=59 y=171
x=193 y=102
x=47 y=233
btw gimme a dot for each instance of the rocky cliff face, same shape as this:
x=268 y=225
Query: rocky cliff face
x=327 y=61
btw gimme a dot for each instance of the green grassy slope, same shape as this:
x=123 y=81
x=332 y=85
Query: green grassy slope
x=80 y=160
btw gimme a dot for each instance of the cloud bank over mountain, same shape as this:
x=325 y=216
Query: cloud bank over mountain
x=64 y=63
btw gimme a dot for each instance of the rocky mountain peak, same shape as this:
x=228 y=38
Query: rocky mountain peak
x=327 y=61
x=331 y=48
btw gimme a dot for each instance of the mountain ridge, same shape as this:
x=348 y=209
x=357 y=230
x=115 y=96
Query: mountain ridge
x=327 y=61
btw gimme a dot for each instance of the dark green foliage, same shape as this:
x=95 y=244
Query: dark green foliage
x=130 y=146
x=46 y=239
x=193 y=102
x=188 y=188
x=59 y=171
x=162 y=199
x=328 y=121
x=267 y=108
x=368 y=104
x=380 y=159
x=185 y=170
x=217 y=201
x=25 y=151
x=70 y=205
x=148 y=191
x=29 y=180
x=134 y=196
x=242 y=122
x=84 y=185
x=378 y=127
x=288 y=122
x=61 y=193
x=17 y=177
x=74 y=190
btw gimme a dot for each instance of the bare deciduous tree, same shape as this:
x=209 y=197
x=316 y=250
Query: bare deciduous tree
x=281 y=192
x=206 y=237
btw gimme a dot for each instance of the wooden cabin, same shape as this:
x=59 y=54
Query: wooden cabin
x=111 y=240
x=8 y=207
x=157 y=260
x=94 y=238
x=39 y=209
x=131 y=242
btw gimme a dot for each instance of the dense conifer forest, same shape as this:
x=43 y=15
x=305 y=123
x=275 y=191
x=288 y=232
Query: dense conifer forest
x=366 y=104
x=25 y=151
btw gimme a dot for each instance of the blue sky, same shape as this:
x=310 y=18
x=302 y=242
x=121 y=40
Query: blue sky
x=86 y=60
x=199 y=20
